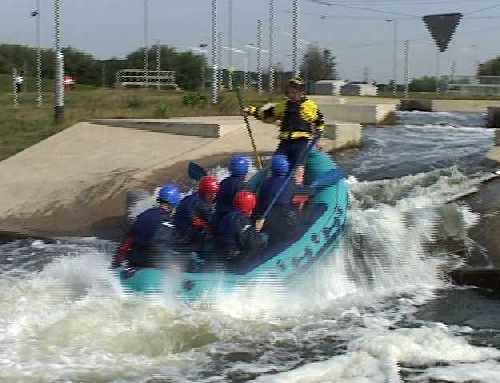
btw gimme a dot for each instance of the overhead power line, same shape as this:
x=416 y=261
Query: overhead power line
x=333 y=4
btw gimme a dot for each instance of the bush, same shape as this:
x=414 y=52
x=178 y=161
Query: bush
x=134 y=102
x=194 y=99
x=161 y=111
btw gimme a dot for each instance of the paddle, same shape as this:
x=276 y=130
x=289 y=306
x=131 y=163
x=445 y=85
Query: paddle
x=303 y=155
x=195 y=171
x=258 y=161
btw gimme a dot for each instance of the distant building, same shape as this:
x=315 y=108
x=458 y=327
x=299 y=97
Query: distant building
x=359 y=89
x=328 y=87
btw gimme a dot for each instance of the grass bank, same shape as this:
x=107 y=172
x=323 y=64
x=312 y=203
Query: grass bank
x=27 y=124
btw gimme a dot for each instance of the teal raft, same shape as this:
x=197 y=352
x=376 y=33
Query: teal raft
x=318 y=236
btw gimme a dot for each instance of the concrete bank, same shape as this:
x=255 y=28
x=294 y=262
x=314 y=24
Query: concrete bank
x=74 y=182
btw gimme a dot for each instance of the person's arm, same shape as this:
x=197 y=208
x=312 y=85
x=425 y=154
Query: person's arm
x=251 y=240
x=269 y=112
x=122 y=251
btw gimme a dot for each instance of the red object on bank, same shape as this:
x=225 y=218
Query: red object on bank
x=69 y=82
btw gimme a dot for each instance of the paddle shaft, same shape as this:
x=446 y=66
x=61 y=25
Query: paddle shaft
x=249 y=129
x=289 y=177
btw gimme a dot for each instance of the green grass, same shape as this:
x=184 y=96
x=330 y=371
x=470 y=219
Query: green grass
x=27 y=125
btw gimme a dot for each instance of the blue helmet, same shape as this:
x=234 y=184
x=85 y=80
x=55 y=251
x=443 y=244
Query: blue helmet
x=239 y=165
x=280 y=165
x=169 y=193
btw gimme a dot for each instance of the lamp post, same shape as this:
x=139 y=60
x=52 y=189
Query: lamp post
x=394 y=56
x=245 y=65
x=146 y=43
x=215 y=82
x=59 y=88
x=203 y=51
x=271 y=45
x=295 y=33
x=230 y=43
x=36 y=13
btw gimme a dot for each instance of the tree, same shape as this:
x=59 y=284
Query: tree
x=423 y=84
x=490 y=68
x=318 y=65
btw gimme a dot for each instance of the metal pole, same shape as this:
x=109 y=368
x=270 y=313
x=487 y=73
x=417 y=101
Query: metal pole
x=453 y=71
x=215 y=89
x=395 y=60
x=202 y=47
x=146 y=43
x=14 y=87
x=103 y=74
x=407 y=69
x=38 y=57
x=295 y=32
x=220 y=73
x=438 y=72
x=158 y=64
x=271 y=45
x=59 y=90
x=259 y=56
x=245 y=74
x=230 y=43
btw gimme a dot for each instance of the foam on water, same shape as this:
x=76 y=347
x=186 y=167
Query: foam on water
x=350 y=319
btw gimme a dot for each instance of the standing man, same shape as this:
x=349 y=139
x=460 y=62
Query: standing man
x=300 y=119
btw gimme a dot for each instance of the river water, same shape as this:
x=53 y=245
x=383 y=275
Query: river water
x=378 y=309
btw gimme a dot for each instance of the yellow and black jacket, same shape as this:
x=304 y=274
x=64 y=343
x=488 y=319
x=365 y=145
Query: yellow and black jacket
x=298 y=119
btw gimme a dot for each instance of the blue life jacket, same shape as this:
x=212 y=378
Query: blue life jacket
x=268 y=191
x=146 y=225
x=191 y=207
x=144 y=232
x=228 y=189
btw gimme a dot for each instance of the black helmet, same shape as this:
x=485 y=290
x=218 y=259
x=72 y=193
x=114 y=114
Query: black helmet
x=296 y=82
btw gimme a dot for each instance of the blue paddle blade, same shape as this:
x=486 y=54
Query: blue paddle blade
x=196 y=172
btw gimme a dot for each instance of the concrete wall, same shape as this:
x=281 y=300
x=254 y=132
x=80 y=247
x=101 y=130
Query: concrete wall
x=362 y=114
x=342 y=135
x=195 y=129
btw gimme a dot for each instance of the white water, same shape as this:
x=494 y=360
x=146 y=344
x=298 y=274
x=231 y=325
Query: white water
x=351 y=320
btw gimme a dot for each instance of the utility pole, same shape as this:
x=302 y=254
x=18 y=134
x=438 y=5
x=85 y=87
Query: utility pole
x=438 y=72
x=146 y=43
x=220 y=72
x=407 y=69
x=14 y=88
x=158 y=64
x=36 y=14
x=230 y=43
x=394 y=56
x=271 y=45
x=295 y=37
x=215 y=69
x=59 y=89
x=259 y=56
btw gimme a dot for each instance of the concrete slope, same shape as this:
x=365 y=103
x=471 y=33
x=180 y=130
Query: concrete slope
x=87 y=165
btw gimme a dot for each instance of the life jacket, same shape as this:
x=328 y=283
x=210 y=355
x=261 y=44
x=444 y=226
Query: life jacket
x=270 y=189
x=224 y=200
x=230 y=230
x=192 y=212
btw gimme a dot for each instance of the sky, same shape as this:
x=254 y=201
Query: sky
x=357 y=31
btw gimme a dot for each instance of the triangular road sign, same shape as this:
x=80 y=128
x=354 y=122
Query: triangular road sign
x=442 y=27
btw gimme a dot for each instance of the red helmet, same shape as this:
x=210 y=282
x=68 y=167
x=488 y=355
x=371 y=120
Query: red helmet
x=245 y=201
x=208 y=187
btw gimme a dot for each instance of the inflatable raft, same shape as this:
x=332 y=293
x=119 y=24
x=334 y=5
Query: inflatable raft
x=316 y=237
